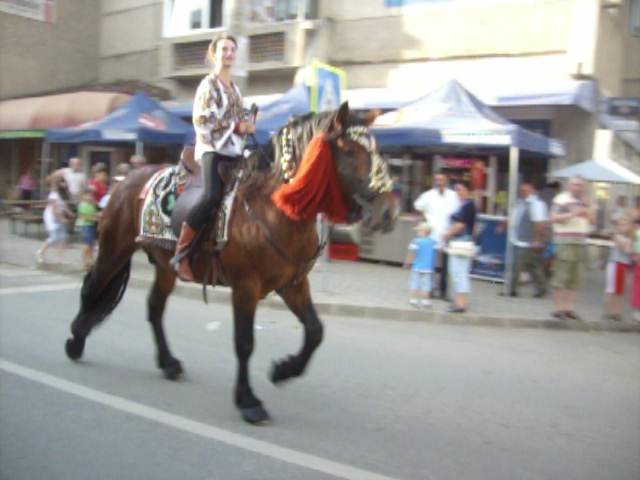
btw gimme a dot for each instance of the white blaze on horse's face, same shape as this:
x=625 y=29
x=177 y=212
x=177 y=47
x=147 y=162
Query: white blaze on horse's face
x=379 y=178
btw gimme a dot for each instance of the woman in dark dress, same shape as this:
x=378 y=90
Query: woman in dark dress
x=461 y=230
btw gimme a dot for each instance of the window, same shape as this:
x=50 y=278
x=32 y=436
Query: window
x=182 y=17
x=271 y=11
x=196 y=19
x=634 y=18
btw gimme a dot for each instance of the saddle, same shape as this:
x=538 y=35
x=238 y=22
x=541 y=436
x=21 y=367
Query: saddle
x=192 y=189
x=168 y=197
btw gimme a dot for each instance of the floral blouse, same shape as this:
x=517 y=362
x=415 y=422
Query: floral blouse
x=216 y=111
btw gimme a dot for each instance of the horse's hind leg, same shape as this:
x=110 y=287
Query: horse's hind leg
x=156 y=302
x=102 y=290
x=244 y=307
x=298 y=299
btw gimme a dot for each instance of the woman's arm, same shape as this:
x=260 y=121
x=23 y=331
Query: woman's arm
x=455 y=229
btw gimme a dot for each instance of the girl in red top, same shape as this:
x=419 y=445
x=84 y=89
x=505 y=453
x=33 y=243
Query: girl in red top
x=99 y=182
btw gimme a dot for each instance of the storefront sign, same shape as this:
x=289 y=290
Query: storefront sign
x=489 y=263
x=42 y=10
x=624 y=106
x=113 y=134
x=451 y=162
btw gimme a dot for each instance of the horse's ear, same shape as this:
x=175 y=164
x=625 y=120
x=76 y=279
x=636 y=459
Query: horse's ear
x=340 y=119
x=370 y=117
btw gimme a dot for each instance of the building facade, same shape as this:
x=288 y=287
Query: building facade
x=495 y=48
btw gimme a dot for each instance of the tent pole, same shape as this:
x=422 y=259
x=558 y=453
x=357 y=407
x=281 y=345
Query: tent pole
x=139 y=148
x=514 y=160
x=492 y=184
x=44 y=160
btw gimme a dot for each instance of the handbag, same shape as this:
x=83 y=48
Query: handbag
x=462 y=248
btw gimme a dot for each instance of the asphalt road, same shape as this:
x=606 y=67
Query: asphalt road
x=382 y=399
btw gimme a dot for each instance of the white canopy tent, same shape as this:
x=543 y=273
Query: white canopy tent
x=599 y=171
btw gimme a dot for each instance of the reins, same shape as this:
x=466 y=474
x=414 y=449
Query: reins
x=304 y=267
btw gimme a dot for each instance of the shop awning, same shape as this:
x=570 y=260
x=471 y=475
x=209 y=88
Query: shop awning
x=13 y=134
x=577 y=93
x=57 y=111
x=140 y=119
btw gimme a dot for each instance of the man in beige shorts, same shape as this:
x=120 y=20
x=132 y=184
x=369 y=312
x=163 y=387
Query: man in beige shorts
x=572 y=219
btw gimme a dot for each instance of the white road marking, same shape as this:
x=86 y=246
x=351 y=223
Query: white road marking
x=244 y=442
x=40 y=288
x=22 y=273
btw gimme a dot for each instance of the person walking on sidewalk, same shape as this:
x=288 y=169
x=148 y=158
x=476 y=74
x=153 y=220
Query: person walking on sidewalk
x=459 y=237
x=618 y=268
x=421 y=258
x=528 y=229
x=75 y=178
x=87 y=223
x=437 y=205
x=221 y=124
x=572 y=220
x=56 y=217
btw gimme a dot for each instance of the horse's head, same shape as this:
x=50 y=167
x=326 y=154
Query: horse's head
x=362 y=173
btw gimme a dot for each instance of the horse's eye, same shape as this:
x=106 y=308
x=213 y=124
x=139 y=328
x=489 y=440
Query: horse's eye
x=347 y=147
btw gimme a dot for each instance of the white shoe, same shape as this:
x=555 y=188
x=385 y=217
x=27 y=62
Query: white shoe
x=414 y=303
x=425 y=303
x=39 y=258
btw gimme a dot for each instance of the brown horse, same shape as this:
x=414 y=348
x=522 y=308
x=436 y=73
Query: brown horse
x=267 y=250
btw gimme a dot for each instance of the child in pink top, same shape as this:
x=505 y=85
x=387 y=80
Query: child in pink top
x=635 y=293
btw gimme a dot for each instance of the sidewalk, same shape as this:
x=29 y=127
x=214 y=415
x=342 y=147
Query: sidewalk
x=362 y=289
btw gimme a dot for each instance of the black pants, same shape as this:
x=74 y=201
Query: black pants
x=444 y=272
x=212 y=190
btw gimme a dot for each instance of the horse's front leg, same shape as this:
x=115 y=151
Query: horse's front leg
x=298 y=299
x=245 y=299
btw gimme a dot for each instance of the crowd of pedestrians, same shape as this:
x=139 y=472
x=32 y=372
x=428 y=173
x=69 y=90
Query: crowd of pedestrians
x=541 y=233
x=74 y=203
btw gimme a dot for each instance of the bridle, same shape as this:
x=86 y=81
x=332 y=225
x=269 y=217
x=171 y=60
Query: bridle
x=364 y=193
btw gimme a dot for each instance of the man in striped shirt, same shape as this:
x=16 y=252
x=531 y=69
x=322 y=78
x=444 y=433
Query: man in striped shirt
x=572 y=220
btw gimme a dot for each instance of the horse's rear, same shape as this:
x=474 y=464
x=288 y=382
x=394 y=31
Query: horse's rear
x=105 y=283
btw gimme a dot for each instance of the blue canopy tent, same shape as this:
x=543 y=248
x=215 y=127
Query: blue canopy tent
x=453 y=117
x=141 y=120
x=274 y=115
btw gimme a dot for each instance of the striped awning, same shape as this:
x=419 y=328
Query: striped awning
x=57 y=111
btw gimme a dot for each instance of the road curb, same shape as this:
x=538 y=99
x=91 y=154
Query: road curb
x=221 y=295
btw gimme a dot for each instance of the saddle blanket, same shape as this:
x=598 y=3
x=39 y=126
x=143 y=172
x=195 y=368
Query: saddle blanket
x=160 y=195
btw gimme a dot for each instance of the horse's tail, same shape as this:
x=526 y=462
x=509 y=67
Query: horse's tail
x=102 y=301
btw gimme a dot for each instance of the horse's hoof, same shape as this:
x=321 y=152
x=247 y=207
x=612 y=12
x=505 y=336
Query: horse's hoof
x=283 y=370
x=74 y=348
x=255 y=415
x=173 y=370
x=276 y=375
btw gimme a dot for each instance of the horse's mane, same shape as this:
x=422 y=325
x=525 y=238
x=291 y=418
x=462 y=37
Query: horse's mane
x=263 y=177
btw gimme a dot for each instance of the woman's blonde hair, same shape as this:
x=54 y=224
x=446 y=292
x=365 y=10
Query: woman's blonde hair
x=211 y=50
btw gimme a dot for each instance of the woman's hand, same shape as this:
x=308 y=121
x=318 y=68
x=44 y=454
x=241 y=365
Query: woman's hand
x=245 y=127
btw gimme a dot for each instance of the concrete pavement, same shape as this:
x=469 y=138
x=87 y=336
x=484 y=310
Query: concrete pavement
x=406 y=400
x=363 y=289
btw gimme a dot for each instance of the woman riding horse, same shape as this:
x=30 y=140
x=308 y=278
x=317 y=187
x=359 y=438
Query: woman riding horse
x=322 y=163
x=220 y=123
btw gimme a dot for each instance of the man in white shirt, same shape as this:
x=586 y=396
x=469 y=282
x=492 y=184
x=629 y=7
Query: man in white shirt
x=437 y=205
x=75 y=178
x=528 y=225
